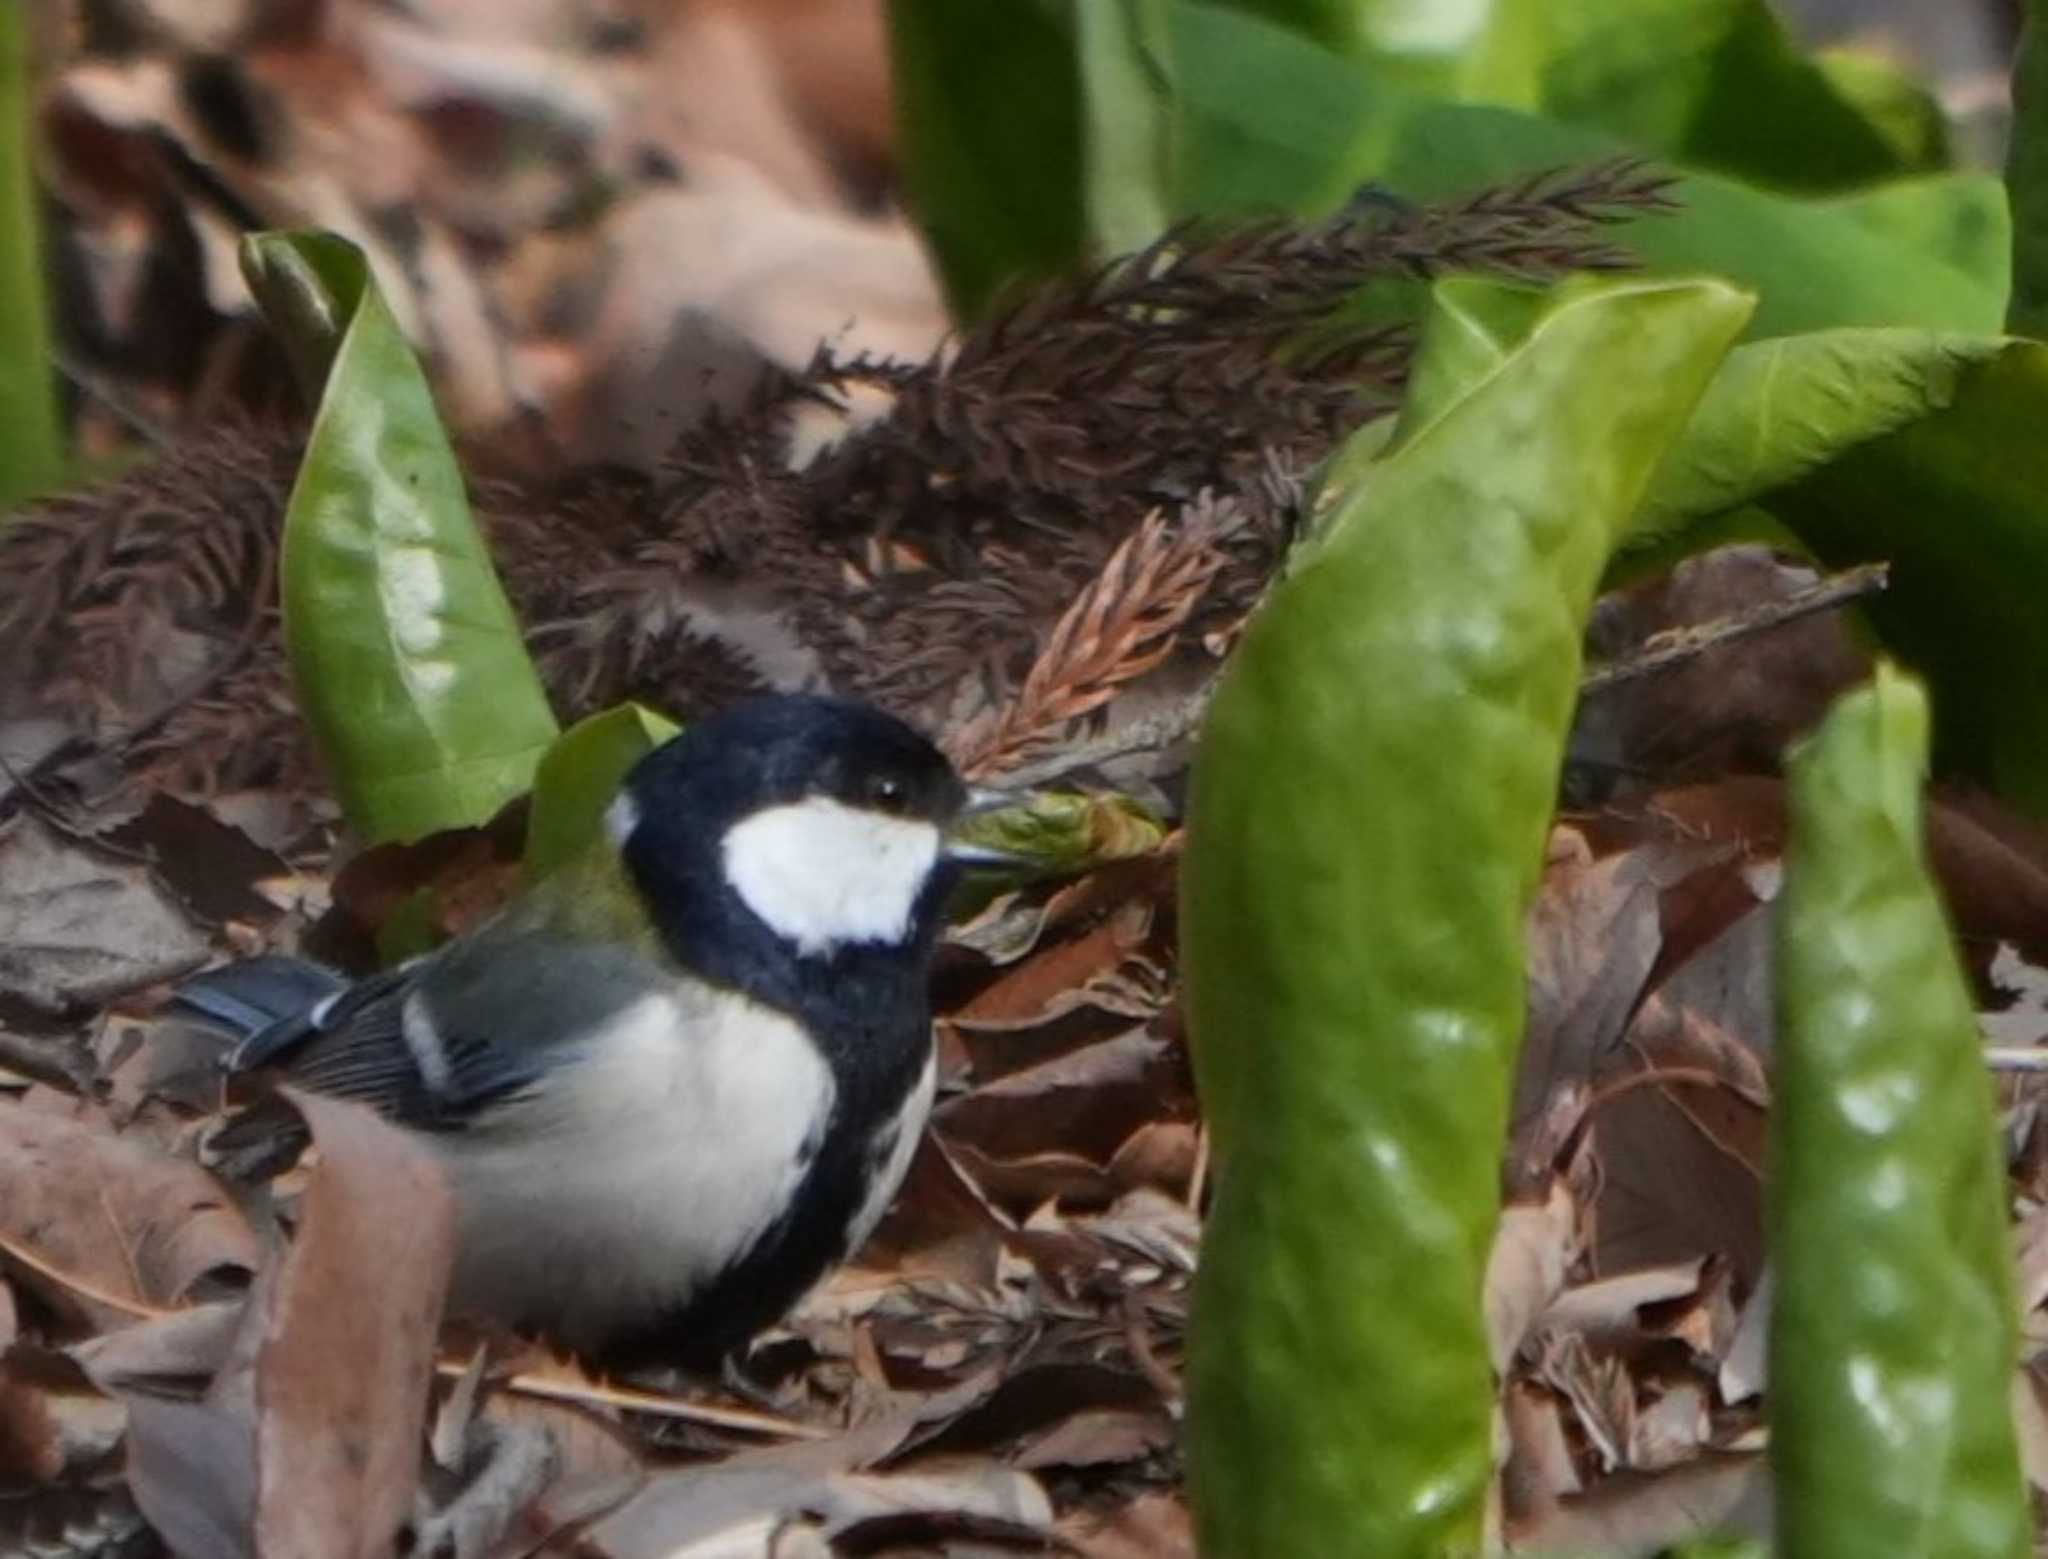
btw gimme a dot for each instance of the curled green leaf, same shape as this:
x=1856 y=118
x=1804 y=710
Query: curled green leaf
x=1068 y=831
x=1894 y=1329
x=1370 y=799
x=580 y=775
x=405 y=653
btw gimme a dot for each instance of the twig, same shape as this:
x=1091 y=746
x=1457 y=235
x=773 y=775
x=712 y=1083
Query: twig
x=1666 y=650
x=1150 y=733
x=2016 y=1058
x=587 y=1393
x=1178 y=720
x=82 y=1287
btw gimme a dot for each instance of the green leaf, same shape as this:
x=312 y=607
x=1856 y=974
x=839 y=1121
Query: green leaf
x=1954 y=502
x=1894 y=1327
x=1034 y=137
x=1914 y=448
x=2026 y=181
x=1127 y=131
x=1069 y=831
x=1782 y=408
x=31 y=436
x=1352 y=942
x=1718 y=85
x=1959 y=219
x=1268 y=119
x=1485 y=51
x=1899 y=110
x=1470 y=328
x=578 y=778
x=997 y=189
x=405 y=653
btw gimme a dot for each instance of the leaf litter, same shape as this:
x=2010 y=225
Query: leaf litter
x=1036 y=540
x=998 y=1370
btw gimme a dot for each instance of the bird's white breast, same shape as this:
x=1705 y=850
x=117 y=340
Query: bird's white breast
x=822 y=873
x=907 y=1129
x=680 y=1138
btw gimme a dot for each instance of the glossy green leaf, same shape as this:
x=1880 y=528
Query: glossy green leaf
x=406 y=655
x=1782 y=408
x=1034 y=137
x=579 y=777
x=2026 y=181
x=1267 y=118
x=1472 y=327
x=1894 y=1325
x=1352 y=942
x=31 y=437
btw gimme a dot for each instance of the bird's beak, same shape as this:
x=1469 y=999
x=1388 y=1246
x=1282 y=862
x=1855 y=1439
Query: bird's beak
x=982 y=800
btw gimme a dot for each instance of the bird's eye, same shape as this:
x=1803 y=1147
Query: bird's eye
x=888 y=795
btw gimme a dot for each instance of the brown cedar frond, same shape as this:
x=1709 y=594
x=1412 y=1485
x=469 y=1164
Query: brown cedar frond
x=1012 y=467
x=1122 y=625
x=922 y=561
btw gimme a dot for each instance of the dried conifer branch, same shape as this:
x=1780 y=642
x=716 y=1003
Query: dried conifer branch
x=1121 y=626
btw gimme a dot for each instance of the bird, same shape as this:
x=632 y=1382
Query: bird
x=679 y=1079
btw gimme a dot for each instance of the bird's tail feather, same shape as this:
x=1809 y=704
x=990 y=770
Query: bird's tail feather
x=256 y=996
x=257 y=1008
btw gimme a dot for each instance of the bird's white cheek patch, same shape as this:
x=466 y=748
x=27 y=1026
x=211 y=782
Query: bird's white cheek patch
x=822 y=873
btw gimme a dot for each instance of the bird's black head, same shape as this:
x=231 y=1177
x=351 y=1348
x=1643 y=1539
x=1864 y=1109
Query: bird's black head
x=796 y=825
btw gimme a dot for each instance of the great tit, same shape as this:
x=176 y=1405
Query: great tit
x=677 y=1080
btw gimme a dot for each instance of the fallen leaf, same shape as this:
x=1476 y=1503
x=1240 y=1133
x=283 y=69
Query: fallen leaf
x=308 y=1439
x=115 y=1216
x=1155 y=1525
x=1644 y=1513
x=79 y=927
x=1532 y=1248
x=167 y=1355
x=1095 y=1437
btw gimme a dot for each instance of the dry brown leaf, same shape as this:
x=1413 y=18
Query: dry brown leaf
x=1026 y=994
x=308 y=1440
x=1671 y=1430
x=1593 y=937
x=1089 y=1101
x=1644 y=1513
x=1533 y=1247
x=167 y=1355
x=111 y=1216
x=54 y=1427
x=1095 y=1437
x=1607 y=1311
x=1539 y=1469
x=734 y=1506
x=1745 y=1368
x=342 y=1336
x=1669 y=1190
x=2030 y=1420
x=80 y=926
x=1155 y=1525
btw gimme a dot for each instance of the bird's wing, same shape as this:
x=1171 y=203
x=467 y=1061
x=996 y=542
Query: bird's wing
x=432 y=1042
